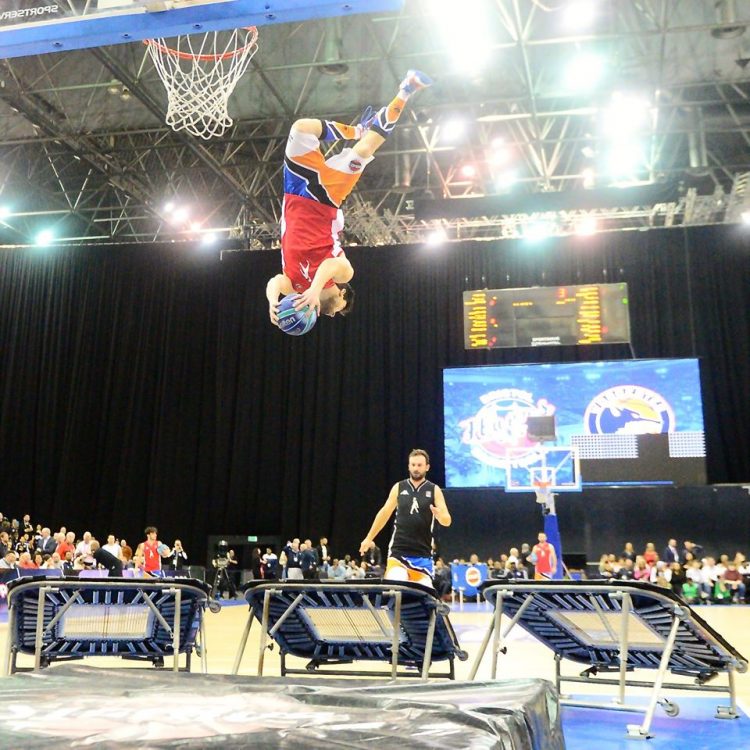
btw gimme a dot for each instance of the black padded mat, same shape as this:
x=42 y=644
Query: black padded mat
x=76 y=706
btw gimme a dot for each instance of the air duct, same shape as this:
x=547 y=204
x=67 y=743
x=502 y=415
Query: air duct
x=726 y=17
x=333 y=46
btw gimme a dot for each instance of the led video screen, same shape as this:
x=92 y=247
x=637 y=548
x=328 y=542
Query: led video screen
x=630 y=421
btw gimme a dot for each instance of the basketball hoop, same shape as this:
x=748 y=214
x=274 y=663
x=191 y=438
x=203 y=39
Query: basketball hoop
x=542 y=490
x=200 y=73
x=544 y=495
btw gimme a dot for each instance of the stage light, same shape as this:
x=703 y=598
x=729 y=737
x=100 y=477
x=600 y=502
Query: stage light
x=583 y=72
x=745 y=216
x=586 y=226
x=209 y=238
x=466 y=31
x=195 y=226
x=539 y=230
x=588 y=178
x=579 y=14
x=500 y=153
x=436 y=237
x=625 y=115
x=626 y=159
x=4 y=212
x=168 y=207
x=453 y=129
x=506 y=180
x=468 y=171
x=45 y=237
x=179 y=215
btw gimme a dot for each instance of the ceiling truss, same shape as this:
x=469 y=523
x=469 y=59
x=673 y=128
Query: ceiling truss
x=83 y=147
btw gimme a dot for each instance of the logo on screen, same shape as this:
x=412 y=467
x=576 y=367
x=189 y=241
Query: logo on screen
x=628 y=410
x=500 y=424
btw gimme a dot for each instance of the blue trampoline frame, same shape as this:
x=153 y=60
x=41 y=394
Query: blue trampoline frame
x=37 y=609
x=420 y=631
x=680 y=641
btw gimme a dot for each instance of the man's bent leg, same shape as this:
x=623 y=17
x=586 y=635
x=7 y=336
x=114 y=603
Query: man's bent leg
x=308 y=125
x=384 y=121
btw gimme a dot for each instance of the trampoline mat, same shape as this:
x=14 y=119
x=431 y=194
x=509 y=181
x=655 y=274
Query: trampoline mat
x=76 y=706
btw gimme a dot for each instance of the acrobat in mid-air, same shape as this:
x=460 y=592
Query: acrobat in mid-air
x=314 y=265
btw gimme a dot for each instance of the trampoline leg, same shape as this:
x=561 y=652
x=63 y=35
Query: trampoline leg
x=243 y=644
x=482 y=650
x=204 y=654
x=558 y=680
x=499 y=637
x=497 y=640
x=723 y=712
x=8 y=665
x=625 y=613
x=642 y=732
x=428 y=645
x=264 y=631
x=176 y=630
x=396 y=635
x=39 y=628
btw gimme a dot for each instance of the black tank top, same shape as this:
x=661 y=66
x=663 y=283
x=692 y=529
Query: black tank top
x=412 y=528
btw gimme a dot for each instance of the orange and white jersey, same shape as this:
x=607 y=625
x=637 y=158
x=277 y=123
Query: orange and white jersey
x=309 y=174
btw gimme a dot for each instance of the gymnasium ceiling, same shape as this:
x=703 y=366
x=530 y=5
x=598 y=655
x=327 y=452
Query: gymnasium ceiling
x=84 y=150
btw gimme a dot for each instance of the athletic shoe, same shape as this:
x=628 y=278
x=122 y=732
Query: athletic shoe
x=414 y=81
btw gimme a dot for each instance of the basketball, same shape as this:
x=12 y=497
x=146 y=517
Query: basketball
x=295 y=322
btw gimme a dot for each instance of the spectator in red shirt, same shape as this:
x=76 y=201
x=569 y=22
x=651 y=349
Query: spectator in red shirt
x=25 y=561
x=650 y=555
x=69 y=543
x=546 y=560
x=152 y=550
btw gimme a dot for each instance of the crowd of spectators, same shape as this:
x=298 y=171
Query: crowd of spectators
x=26 y=546
x=301 y=560
x=684 y=569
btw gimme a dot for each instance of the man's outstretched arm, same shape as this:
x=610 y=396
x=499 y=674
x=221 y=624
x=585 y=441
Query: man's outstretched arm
x=337 y=269
x=277 y=285
x=440 y=509
x=381 y=519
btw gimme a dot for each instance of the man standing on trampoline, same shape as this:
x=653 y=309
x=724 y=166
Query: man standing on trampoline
x=313 y=262
x=418 y=503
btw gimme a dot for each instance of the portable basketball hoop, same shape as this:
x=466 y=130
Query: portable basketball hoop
x=200 y=73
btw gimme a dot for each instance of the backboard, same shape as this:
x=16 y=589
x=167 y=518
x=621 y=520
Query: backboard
x=560 y=467
x=34 y=27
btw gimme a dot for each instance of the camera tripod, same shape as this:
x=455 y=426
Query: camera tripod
x=222 y=577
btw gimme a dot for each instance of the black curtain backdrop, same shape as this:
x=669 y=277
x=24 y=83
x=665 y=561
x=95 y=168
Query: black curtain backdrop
x=145 y=385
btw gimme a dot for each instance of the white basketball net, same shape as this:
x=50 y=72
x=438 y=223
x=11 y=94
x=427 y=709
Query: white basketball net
x=199 y=73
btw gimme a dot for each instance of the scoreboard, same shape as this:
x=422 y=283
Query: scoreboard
x=546 y=316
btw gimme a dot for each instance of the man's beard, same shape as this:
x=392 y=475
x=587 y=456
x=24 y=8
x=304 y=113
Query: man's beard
x=416 y=475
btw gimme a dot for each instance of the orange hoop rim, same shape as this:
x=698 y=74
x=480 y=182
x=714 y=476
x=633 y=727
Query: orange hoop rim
x=204 y=58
